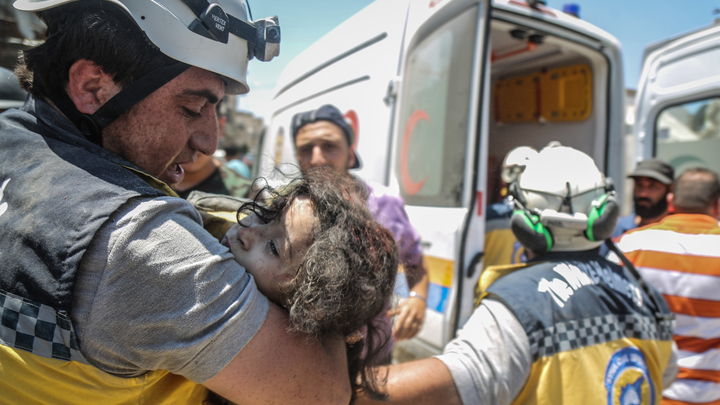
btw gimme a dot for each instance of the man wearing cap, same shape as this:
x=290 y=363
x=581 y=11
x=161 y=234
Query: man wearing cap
x=653 y=182
x=111 y=291
x=324 y=138
x=11 y=94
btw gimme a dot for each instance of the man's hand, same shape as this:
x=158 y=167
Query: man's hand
x=411 y=312
x=410 y=317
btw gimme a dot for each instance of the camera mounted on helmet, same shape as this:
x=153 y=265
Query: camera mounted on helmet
x=263 y=36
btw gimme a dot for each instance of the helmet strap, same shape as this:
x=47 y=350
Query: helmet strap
x=91 y=126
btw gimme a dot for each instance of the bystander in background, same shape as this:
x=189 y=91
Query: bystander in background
x=680 y=256
x=322 y=137
x=653 y=181
x=235 y=158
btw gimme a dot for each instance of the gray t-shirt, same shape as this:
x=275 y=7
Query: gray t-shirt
x=490 y=359
x=156 y=291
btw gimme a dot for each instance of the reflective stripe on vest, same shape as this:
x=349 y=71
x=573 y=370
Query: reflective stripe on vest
x=592 y=332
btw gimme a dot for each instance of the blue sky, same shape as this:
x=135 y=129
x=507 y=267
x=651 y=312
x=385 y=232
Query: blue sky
x=635 y=23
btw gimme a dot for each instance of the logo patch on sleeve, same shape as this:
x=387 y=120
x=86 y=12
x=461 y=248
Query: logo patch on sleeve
x=627 y=379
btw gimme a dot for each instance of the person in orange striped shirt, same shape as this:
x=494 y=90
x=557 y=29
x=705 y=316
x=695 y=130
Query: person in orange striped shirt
x=680 y=256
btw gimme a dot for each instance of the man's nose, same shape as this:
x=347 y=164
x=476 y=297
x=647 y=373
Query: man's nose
x=318 y=159
x=205 y=139
x=641 y=192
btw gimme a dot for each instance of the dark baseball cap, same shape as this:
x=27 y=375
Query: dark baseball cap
x=330 y=113
x=655 y=169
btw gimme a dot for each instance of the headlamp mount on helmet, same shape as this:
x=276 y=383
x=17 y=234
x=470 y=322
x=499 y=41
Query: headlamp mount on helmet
x=263 y=36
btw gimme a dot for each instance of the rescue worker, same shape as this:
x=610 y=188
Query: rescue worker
x=679 y=256
x=501 y=247
x=323 y=137
x=111 y=291
x=568 y=327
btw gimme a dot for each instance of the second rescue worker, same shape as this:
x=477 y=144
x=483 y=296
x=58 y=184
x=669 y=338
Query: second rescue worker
x=568 y=327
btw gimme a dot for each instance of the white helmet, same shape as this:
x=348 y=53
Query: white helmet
x=216 y=36
x=566 y=203
x=515 y=162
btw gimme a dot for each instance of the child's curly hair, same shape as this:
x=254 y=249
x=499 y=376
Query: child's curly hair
x=347 y=274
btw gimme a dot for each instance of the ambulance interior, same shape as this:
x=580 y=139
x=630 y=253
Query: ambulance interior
x=543 y=88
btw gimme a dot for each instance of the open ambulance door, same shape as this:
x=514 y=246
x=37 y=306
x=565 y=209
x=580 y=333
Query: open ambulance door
x=479 y=79
x=435 y=153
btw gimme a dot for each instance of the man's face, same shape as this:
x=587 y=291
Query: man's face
x=170 y=126
x=323 y=143
x=650 y=197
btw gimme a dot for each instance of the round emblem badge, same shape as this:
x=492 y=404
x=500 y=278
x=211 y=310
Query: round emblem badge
x=627 y=379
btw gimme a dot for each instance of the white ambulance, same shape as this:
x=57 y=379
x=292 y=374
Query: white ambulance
x=438 y=91
x=678 y=101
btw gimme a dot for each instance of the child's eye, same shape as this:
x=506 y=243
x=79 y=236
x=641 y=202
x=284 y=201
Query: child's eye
x=273 y=248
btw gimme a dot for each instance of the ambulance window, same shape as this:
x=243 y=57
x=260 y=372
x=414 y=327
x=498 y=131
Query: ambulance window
x=688 y=135
x=434 y=115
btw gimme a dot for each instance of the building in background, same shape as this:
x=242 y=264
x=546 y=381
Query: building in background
x=18 y=30
x=241 y=128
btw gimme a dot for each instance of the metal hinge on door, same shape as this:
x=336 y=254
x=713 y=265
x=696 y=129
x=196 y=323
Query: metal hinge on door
x=392 y=90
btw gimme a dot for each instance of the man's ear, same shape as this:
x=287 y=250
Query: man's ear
x=671 y=206
x=89 y=87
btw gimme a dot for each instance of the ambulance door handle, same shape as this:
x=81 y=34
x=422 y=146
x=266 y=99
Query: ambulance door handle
x=392 y=91
x=425 y=244
x=474 y=263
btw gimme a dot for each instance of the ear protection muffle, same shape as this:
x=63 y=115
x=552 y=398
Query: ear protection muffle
x=530 y=232
x=528 y=228
x=602 y=217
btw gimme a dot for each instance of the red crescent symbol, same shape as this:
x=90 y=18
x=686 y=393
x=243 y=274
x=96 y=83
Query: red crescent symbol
x=409 y=185
x=355 y=123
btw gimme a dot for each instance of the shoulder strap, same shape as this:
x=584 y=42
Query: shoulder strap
x=659 y=316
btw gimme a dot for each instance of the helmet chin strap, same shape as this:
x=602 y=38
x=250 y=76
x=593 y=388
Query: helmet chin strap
x=91 y=126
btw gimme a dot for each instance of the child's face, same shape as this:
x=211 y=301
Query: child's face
x=271 y=252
